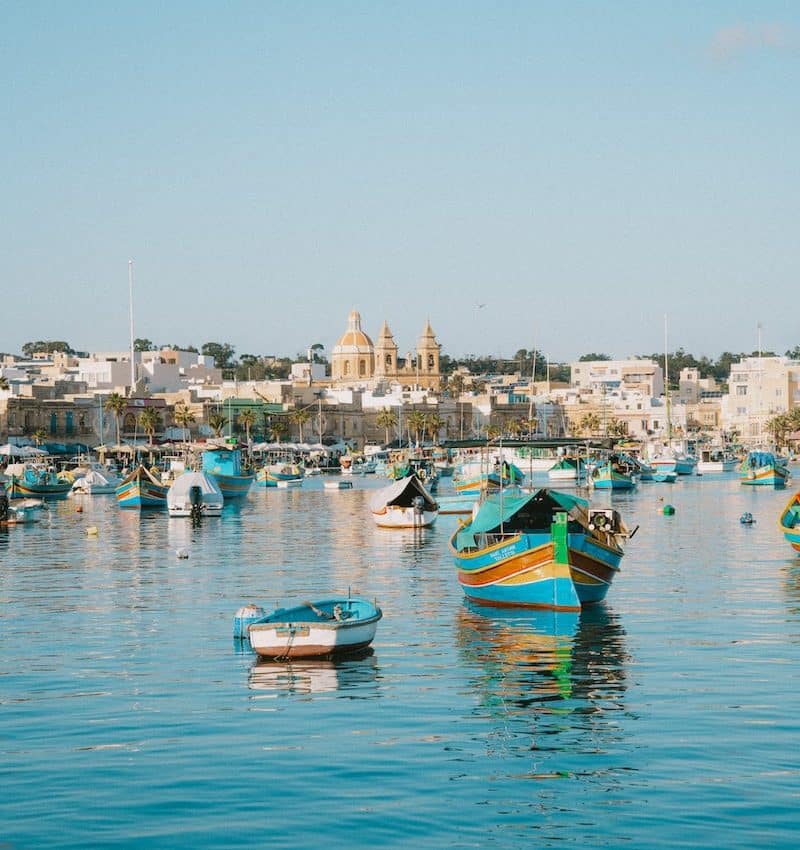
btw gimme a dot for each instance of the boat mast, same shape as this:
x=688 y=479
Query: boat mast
x=130 y=299
x=666 y=381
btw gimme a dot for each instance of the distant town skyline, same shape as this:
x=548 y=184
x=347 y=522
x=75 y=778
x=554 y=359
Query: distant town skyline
x=543 y=177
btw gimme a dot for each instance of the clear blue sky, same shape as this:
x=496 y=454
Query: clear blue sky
x=579 y=168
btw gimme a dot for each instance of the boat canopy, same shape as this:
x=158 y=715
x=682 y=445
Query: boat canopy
x=496 y=511
x=402 y=493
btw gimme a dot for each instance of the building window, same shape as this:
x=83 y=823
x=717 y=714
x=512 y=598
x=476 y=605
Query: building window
x=741 y=390
x=362 y=368
x=69 y=426
x=346 y=367
x=53 y=424
x=389 y=360
x=430 y=362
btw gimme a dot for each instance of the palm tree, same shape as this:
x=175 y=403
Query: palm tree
x=299 y=417
x=455 y=385
x=433 y=422
x=247 y=419
x=3 y=383
x=386 y=419
x=416 y=423
x=492 y=432
x=217 y=422
x=184 y=417
x=150 y=422
x=39 y=436
x=116 y=404
x=778 y=427
x=589 y=424
x=515 y=427
x=277 y=430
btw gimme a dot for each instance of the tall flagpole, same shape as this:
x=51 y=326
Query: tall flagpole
x=130 y=292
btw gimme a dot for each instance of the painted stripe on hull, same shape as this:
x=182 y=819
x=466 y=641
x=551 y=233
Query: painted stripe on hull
x=765 y=476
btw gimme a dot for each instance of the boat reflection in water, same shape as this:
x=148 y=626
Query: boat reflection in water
x=355 y=676
x=550 y=682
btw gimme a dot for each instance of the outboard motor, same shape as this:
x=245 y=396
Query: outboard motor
x=3 y=505
x=196 y=501
x=418 y=503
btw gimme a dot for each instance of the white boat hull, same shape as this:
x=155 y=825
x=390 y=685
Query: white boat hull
x=310 y=640
x=706 y=466
x=393 y=516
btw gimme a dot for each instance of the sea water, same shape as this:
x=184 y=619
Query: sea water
x=130 y=718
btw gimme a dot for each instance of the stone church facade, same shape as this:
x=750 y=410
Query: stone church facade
x=355 y=359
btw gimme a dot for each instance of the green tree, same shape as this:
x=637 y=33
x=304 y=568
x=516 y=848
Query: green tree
x=222 y=352
x=149 y=422
x=299 y=416
x=386 y=419
x=593 y=356
x=140 y=344
x=277 y=429
x=589 y=424
x=3 y=383
x=217 y=422
x=39 y=436
x=115 y=405
x=433 y=423
x=184 y=418
x=246 y=420
x=47 y=346
x=416 y=423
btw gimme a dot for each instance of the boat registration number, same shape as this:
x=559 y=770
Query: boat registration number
x=292 y=631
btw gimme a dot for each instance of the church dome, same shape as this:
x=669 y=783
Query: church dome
x=353 y=340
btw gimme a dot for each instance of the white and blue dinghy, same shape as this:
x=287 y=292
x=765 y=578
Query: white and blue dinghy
x=323 y=629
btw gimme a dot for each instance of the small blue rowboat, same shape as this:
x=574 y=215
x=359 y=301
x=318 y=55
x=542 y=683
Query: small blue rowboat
x=312 y=629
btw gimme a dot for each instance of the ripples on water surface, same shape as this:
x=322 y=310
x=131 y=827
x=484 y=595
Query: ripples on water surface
x=130 y=718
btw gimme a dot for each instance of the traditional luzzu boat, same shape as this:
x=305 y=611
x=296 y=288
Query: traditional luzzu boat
x=613 y=474
x=790 y=522
x=566 y=469
x=544 y=550
x=284 y=472
x=310 y=630
x=20 y=512
x=141 y=489
x=24 y=481
x=763 y=468
x=475 y=477
x=224 y=465
x=404 y=504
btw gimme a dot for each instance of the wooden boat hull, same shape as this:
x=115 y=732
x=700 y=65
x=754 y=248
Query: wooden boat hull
x=18 y=488
x=139 y=491
x=234 y=486
x=524 y=572
x=609 y=480
x=765 y=476
x=297 y=633
x=394 y=516
x=790 y=522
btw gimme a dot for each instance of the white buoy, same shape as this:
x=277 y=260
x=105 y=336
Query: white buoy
x=91 y=531
x=182 y=553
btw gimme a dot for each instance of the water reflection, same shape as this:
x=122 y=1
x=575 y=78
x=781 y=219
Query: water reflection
x=355 y=677
x=548 y=681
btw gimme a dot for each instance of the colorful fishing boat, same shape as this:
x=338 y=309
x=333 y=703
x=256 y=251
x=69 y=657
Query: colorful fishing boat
x=476 y=477
x=24 y=481
x=323 y=629
x=286 y=472
x=20 y=512
x=224 y=465
x=547 y=549
x=404 y=504
x=615 y=473
x=566 y=469
x=141 y=489
x=790 y=522
x=763 y=468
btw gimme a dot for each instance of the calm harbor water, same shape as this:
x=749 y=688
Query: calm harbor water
x=129 y=717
